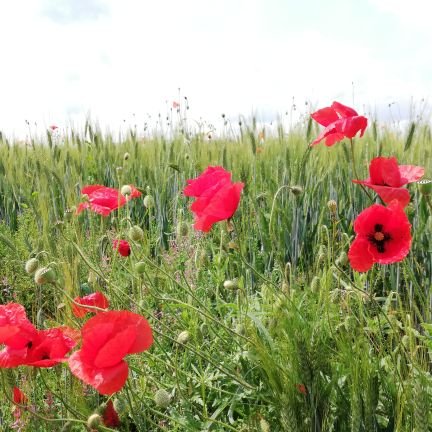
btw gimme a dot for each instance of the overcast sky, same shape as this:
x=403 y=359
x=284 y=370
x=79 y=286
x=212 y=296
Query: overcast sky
x=122 y=59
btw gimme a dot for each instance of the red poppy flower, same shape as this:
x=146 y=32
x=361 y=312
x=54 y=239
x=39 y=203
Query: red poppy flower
x=15 y=329
x=53 y=127
x=19 y=397
x=46 y=349
x=104 y=200
x=95 y=299
x=217 y=197
x=301 y=388
x=340 y=122
x=122 y=246
x=110 y=416
x=383 y=236
x=386 y=178
x=175 y=105
x=107 y=338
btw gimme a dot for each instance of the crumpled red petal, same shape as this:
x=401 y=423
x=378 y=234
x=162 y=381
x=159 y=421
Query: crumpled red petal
x=96 y=299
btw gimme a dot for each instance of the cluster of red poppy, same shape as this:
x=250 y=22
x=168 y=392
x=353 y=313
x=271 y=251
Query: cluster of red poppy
x=106 y=339
x=383 y=234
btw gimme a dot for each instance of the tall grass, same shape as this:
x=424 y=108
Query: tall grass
x=298 y=342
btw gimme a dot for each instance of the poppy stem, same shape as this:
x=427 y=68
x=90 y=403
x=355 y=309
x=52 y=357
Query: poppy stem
x=355 y=170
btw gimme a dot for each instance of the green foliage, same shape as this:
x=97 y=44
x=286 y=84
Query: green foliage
x=298 y=343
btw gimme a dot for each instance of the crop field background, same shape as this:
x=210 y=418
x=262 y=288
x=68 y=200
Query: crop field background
x=259 y=324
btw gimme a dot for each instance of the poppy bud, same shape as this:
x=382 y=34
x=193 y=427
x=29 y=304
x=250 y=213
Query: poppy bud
x=332 y=206
x=126 y=156
x=44 y=275
x=264 y=426
x=31 y=265
x=136 y=233
x=162 y=398
x=231 y=284
x=183 y=337
x=296 y=190
x=183 y=229
x=140 y=267
x=94 y=421
x=425 y=186
x=148 y=201
x=126 y=190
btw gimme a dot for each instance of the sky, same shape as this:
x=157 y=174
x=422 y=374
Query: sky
x=121 y=62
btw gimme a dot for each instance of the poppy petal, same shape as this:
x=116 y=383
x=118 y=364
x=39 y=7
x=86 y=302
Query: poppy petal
x=411 y=173
x=325 y=116
x=388 y=194
x=343 y=110
x=213 y=176
x=105 y=380
x=95 y=299
x=359 y=255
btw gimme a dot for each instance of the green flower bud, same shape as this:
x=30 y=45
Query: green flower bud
x=31 y=265
x=264 y=426
x=162 y=398
x=44 y=275
x=231 y=284
x=425 y=186
x=136 y=233
x=140 y=267
x=183 y=337
x=94 y=421
x=126 y=156
x=296 y=190
x=149 y=201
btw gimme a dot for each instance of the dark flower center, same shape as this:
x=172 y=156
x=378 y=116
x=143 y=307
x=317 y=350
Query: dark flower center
x=379 y=238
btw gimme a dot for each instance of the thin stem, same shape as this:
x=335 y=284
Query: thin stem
x=355 y=170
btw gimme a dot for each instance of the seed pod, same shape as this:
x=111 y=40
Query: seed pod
x=44 y=275
x=162 y=398
x=31 y=265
